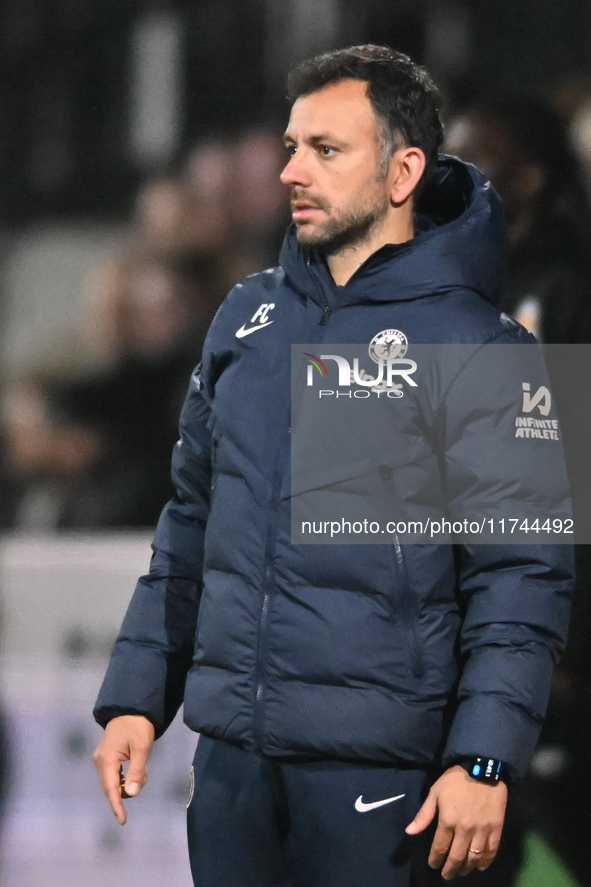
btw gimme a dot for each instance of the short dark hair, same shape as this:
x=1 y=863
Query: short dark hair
x=402 y=94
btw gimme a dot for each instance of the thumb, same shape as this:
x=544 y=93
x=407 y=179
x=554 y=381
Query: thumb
x=137 y=772
x=133 y=785
x=424 y=816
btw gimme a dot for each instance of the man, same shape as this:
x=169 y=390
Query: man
x=318 y=676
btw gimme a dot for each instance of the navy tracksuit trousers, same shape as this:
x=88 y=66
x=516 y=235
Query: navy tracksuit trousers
x=255 y=821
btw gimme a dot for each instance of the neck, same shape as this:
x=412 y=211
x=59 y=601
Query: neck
x=397 y=228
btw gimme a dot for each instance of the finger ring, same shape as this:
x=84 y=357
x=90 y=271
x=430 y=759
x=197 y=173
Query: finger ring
x=475 y=851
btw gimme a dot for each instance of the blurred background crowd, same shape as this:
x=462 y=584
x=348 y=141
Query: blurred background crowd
x=139 y=157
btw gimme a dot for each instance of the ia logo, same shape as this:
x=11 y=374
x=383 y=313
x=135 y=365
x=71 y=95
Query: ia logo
x=541 y=399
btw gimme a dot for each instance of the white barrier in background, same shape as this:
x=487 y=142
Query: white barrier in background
x=62 y=601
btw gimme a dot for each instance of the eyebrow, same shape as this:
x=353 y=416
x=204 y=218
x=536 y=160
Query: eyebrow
x=315 y=140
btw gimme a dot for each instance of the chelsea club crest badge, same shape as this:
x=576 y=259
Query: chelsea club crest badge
x=388 y=345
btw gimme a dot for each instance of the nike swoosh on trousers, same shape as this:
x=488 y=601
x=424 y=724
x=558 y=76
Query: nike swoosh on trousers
x=242 y=332
x=363 y=808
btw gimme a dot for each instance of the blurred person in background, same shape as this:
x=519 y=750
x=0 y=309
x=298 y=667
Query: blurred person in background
x=572 y=99
x=46 y=450
x=233 y=202
x=205 y=223
x=92 y=449
x=526 y=149
x=523 y=146
x=256 y=200
x=317 y=720
x=111 y=422
x=158 y=219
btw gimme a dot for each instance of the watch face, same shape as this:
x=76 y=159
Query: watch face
x=483 y=769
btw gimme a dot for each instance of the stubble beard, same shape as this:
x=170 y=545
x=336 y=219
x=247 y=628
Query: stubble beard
x=342 y=232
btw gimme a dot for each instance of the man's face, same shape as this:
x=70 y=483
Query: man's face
x=339 y=191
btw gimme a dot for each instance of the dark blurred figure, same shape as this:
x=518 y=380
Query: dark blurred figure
x=257 y=206
x=93 y=449
x=523 y=146
x=572 y=99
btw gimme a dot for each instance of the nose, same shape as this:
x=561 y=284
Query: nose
x=296 y=172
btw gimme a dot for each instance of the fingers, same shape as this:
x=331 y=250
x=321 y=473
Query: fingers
x=458 y=856
x=488 y=844
x=126 y=738
x=137 y=772
x=460 y=860
x=425 y=815
x=109 y=769
x=463 y=849
x=441 y=848
x=470 y=816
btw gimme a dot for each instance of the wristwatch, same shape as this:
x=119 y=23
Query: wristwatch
x=488 y=770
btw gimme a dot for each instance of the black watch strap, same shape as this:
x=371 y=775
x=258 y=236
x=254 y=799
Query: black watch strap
x=488 y=770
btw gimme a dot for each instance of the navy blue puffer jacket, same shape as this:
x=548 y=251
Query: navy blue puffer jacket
x=350 y=651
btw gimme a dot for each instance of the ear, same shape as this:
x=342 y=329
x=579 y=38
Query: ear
x=406 y=168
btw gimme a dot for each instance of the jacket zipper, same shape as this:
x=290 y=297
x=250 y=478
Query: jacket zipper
x=268 y=589
x=268 y=583
x=324 y=300
x=260 y=672
x=417 y=665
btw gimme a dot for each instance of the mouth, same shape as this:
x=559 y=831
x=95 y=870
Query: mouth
x=301 y=211
x=303 y=208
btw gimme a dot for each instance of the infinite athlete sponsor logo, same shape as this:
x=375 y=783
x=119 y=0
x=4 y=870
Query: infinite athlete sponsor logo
x=259 y=319
x=531 y=427
x=541 y=399
x=362 y=807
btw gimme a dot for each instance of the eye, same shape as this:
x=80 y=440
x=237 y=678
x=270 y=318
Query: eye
x=326 y=150
x=291 y=149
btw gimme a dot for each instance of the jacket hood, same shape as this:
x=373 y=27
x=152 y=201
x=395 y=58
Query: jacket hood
x=461 y=244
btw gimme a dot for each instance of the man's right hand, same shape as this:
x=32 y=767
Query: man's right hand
x=127 y=738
